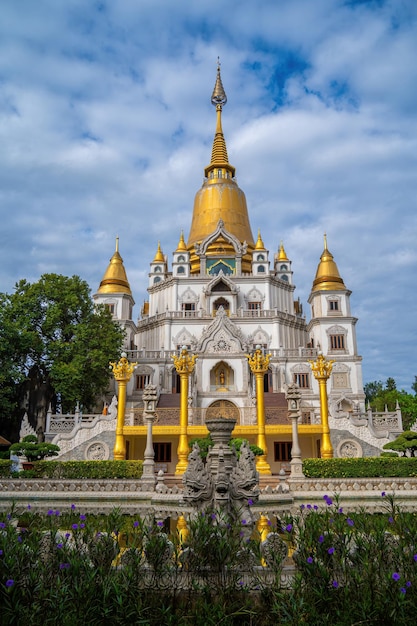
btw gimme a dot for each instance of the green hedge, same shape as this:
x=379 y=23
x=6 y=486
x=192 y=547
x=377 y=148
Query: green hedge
x=84 y=469
x=367 y=467
x=5 y=467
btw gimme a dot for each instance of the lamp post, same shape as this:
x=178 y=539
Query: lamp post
x=184 y=364
x=258 y=363
x=149 y=404
x=322 y=369
x=122 y=372
x=294 y=400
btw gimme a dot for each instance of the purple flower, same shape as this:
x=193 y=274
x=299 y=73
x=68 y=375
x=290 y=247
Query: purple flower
x=82 y=525
x=335 y=584
x=241 y=534
x=309 y=506
x=72 y=507
x=10 y=582
x=244 y=522
x=1 y=552
x=391 y=520
x=383 y=494
x=328 y=500
x=310 y=559
x=29 y=507
x=50 y=512
x=19 y=539
x=213 y=516
x=302 y=507
x=321 y=539
x=315 y=507
x=2 y=525
x=340 y=510
x=135 y=524
x=67 y=535
x=160 y=524
x=83 y=518
x=330 y=551
x=269 y=522
x=64 y=566
x=408 y=583
x=396 y=576
x=74 y=527
x=250 y=502
x=403 y=590
x=350 y=522
x=59 y=546
x=288 y=528
x=57 y=513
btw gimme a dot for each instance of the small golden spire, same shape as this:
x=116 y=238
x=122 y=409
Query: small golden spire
x=181 y=244
x=327 y=275
x=115 y=279
x=219 y=157
x=259 y=244
x=282 y=255
x=159 y=257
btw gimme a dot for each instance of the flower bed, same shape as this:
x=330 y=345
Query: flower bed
x=346 y=568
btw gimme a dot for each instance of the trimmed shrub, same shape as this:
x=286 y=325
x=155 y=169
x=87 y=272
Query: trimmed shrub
x=366 y=467
x=85 y=469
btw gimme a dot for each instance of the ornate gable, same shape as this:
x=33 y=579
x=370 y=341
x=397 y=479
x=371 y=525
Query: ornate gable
x=221 y=283
x=222 y=336
x=221 y=232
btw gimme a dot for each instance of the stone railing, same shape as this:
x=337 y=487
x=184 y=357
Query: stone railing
x=277 y=497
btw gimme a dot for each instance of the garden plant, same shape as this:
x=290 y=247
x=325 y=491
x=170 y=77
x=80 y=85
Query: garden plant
x=70 y=567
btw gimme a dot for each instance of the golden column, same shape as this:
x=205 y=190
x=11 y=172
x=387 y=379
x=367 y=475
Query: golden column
x=322 y=369
x=122 y=372
x=259 y=363
x=184 y=364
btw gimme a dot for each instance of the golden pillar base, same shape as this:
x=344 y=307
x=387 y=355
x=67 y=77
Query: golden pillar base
x=262 y=465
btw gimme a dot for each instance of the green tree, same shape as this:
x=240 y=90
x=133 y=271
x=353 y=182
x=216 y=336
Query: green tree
x=406 y=441
x=380 y=396
x=55 y=347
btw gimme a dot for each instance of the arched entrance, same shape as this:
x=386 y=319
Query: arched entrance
x=223 y=408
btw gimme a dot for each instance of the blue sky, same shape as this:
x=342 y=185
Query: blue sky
x=106 y=127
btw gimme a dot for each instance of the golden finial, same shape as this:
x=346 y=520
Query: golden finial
x=122 y=370
x=259 y=244
x=325 y=241
x=184 y=364
x=258 y=362
x=322 y=367
x=181 y=244
x=159 y=257
x=117 y=243
x=282 y=255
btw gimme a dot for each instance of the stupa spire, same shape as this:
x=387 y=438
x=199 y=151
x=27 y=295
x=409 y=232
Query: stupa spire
x=115 y=278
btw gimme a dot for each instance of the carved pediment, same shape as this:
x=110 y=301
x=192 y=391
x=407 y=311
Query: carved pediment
x=240 y=248
x=221 y=283
x=222 y=335
x=184 y=338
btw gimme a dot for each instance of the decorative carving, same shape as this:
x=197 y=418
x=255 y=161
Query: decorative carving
x=198 y=484
x=222 y=335
x=349 y=449
x=97 y=451
x=26 y=428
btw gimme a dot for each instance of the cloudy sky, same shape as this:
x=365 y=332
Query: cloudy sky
x=106 y=126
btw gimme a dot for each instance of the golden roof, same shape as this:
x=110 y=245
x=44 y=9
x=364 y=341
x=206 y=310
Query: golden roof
x=282 y=255
x=159 y=257
x=181 y=244
x=115 y=279
x=327 y=275
x=259 y=243
x=219 y=198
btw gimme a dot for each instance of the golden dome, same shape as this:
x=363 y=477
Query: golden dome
x=327 y=275
x=282 y=255
x=115 y=279
x=181 y=244
x=159 y=257
x=219 y=198
x=259 y=243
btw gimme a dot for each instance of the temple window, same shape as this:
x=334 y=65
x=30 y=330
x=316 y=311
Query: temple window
x=260 y=257
x=254 y=306
x=337 y=342
x=302 y=380
x=282 y=451
x=142 y=380
x=162 y=452
x=181 y=270
x=261 y=269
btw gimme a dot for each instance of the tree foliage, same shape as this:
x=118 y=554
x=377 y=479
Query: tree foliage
x=55 y=347
x=380 y=395
x=406 y=442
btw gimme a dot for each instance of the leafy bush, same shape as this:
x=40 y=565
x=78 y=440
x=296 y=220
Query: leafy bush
x=205 y=443
x=5 y=467
x=88 y=469
x=366 y=467
x=32 y=450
